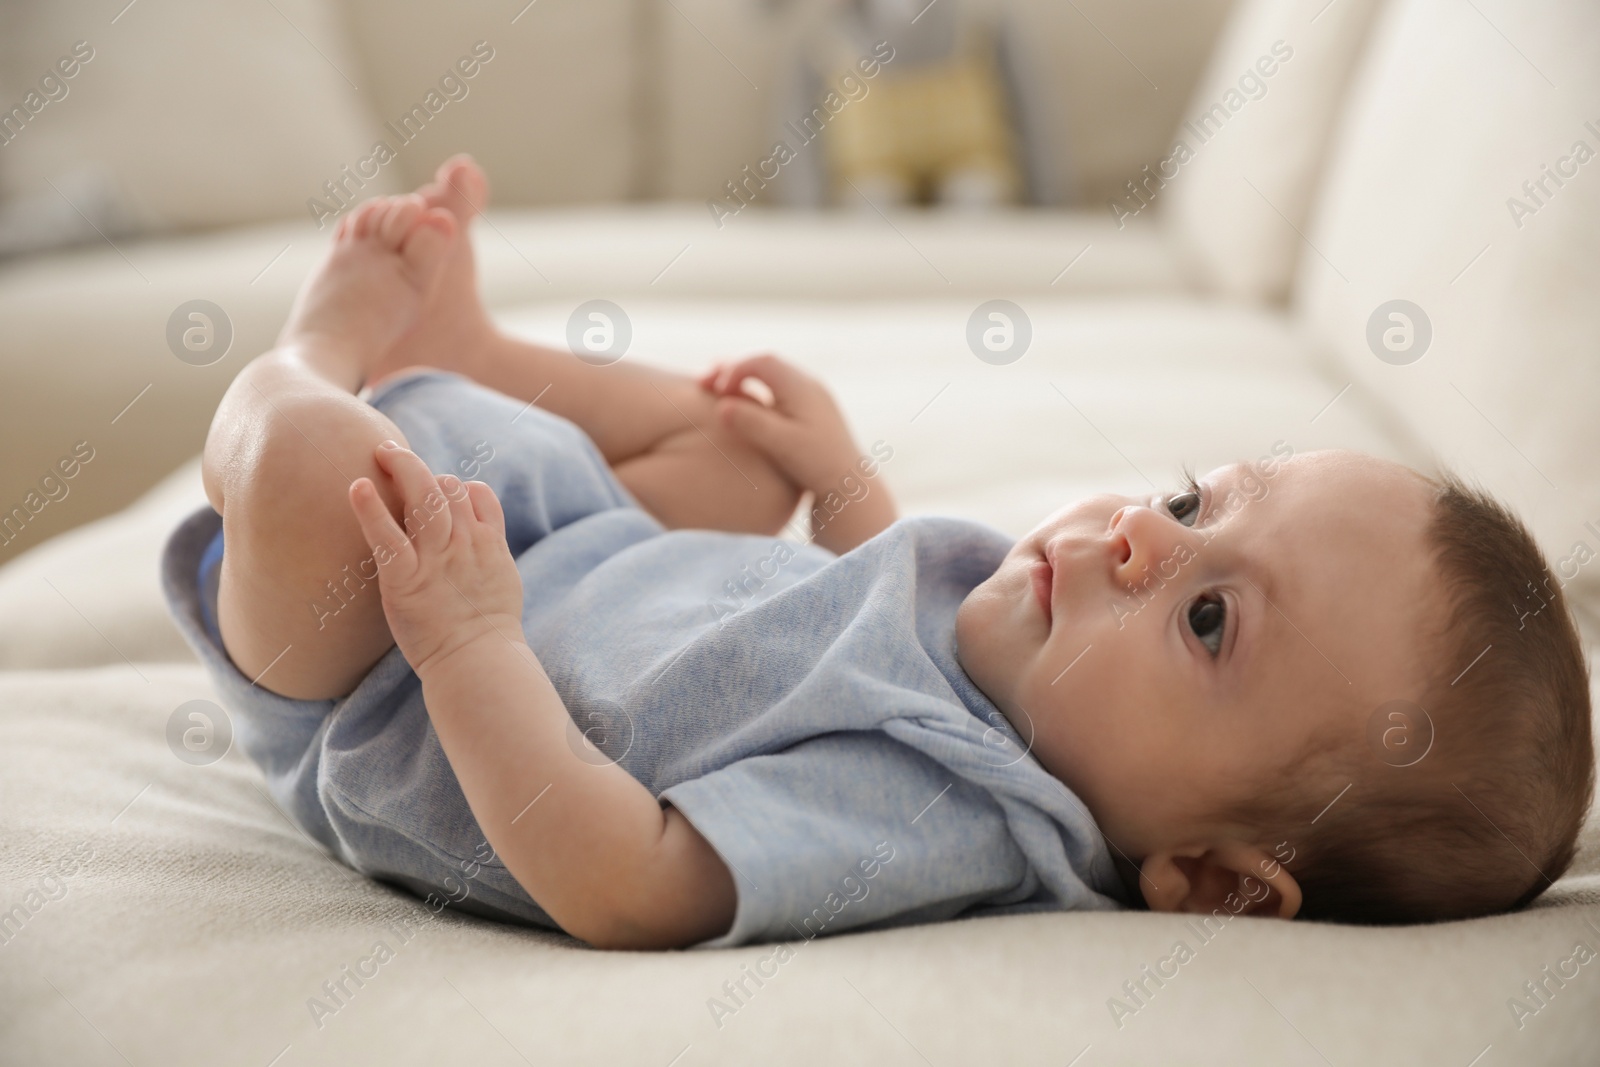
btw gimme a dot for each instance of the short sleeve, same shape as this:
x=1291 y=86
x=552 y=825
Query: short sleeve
x=848 y=830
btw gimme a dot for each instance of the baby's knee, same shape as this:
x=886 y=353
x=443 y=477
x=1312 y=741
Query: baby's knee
x=294 y=478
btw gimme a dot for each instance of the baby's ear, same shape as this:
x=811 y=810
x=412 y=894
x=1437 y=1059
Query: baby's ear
x=1230 y=876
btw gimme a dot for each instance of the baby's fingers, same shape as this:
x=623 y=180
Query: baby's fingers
x=387 y=541
x=708 y=380
x=487 y=507
x=423 y=503
x=781 y=380
x=461 y=512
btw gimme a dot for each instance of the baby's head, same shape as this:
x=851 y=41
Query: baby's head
x=1322 y=683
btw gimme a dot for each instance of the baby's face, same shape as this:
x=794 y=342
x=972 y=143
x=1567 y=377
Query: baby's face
x=1167 y=653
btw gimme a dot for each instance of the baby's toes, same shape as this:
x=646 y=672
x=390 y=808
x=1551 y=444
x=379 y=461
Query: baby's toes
x=427 y=245
x=366 y=215
x=397 y=221
x=459 y=186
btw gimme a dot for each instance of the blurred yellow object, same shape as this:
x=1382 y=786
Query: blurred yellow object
x=936 y=132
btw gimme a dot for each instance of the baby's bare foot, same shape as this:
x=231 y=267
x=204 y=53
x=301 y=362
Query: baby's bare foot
x=453 y=329
x=385 y=261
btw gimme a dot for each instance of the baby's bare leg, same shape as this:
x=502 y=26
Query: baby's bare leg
x=288 y=439
x=658 y=431
x=655 y=427
x=282 y=486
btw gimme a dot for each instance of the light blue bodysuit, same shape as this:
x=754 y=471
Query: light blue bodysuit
x=804 y=711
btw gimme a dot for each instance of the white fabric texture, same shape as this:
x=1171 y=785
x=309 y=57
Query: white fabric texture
x=1278 y=77
x=197 y=114
x=1459 y=105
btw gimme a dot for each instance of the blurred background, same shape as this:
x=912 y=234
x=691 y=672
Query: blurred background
x=1041 y=248
x=198 y=150
x=1181 y=200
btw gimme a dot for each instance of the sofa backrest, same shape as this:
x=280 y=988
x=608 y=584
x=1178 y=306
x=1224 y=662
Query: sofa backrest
x=200 y=115
x=551 y=110
x=1248 y=157
x=1465 y=182
x=179 y=115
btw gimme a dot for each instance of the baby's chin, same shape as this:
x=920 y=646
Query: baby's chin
x=972 y=631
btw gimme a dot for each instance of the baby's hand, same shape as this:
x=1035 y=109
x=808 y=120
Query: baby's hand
x=801 y=430
x=447 y=580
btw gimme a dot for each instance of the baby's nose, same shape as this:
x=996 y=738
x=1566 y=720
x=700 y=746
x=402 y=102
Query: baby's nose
x=1140 y=539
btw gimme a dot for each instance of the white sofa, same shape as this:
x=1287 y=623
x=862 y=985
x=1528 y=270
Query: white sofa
x=198 y=925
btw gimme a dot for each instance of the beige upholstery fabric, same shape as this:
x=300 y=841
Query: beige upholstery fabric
x=197 y=926
x=1459 y=105
x=1115 y=74
x=203 y=114
x=1259 y=141
x=550 y=116
x=92 y=595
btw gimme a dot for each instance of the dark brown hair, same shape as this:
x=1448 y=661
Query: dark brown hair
x=1489 y=818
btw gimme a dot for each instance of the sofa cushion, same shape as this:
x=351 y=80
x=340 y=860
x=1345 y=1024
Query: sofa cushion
x=196 y=114
x=1258 y=126
x=1457 y=186
x=91 y=593
x=137 y=888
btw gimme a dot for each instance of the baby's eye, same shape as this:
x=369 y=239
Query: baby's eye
x=1185 y=507
x=1207 y=618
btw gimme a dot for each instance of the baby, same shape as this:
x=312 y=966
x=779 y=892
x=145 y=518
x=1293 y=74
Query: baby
x=513 y=631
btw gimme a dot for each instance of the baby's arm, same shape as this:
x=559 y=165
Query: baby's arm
x=803 y=432
x=656 y=428
x=589 y=843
